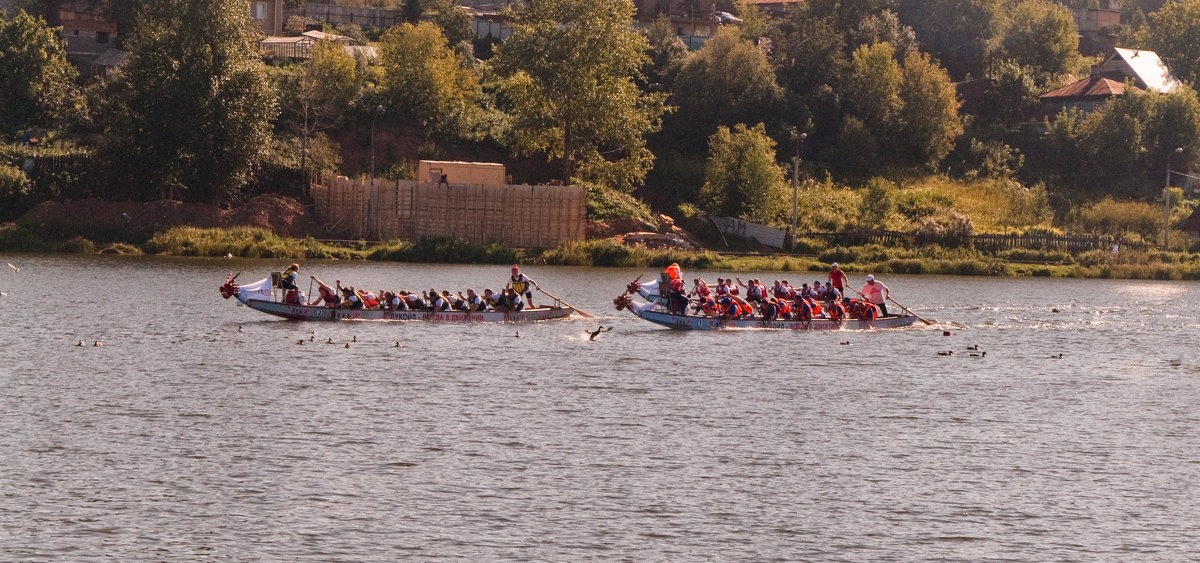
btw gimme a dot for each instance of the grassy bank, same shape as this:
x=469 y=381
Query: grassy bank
x=930 y=259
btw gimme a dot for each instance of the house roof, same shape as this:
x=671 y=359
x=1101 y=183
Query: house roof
x=1091 y=87
x=770 y=2
x=325 y=36
x=111 y=57
x=1149 y=70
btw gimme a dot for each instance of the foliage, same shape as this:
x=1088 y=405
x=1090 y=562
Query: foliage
x=910 y=109
x=741 y=177
x=568 y=74
x=667 y=52
x=1012 y=92
x=425 y=83
x=810 y=64
x=885 y=27
x=437 y=250
x=36 y=80
x=1110 y=217
x=992 y=159
x=1041 y=35
x=950 y=230
x=1175 y=36
x=15 y=189
x=877 y=203
x=727 y=82
x=194 y=102
x=958 y=33
x=606 y=204
x=1137 y=132
x=317 y=96
x=245 y=242
x=454 y=21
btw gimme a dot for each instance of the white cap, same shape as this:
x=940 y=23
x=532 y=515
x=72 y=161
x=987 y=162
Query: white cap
x=870 y=277
x=835 y=264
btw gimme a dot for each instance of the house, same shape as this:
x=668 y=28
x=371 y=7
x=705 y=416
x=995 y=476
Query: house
x=8 y=7
x=268 y=14
x=1097 y=29
x=89 y=37
x=1107 y=79
x=301 y=47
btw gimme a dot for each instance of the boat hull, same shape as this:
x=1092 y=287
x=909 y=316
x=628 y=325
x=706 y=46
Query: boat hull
x=311 y=313
x=689 y=322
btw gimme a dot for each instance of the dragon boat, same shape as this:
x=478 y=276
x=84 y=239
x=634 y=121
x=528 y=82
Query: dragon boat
x=262 y=296
x=656 y=311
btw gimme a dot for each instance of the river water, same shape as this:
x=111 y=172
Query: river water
x=183 y=438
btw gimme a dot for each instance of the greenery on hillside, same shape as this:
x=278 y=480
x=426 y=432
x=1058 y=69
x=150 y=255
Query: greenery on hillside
x=854 y=102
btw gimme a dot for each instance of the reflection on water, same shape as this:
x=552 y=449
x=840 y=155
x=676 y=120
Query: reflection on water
x=183 y=438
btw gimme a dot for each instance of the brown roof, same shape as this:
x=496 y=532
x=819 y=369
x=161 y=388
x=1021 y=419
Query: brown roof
x=1098 y=87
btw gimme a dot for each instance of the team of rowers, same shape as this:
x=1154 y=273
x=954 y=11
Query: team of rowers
x=780 y=301
x=517 y=295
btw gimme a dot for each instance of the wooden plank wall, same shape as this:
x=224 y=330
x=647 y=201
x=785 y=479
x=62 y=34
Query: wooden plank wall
x=519 y=216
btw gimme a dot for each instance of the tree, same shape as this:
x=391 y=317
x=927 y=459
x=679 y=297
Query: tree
x=568 y=82
x=454 y=21
x=929 y=122
x=909 y=111
x=885 y=27
x=958 y=33
x=1128 y=143
x=811 y=65
x=425 y=84
x=320 y=93
x=36 y=80
x=1175 y=35
x=1041 y=35
x=667 y=53
x=195 y=102
x=726 y=82
x=741 y=177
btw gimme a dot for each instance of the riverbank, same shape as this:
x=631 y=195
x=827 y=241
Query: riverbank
x=256 y=242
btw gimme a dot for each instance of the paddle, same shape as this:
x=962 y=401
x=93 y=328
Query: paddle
x=909 y=311
x=563 y=302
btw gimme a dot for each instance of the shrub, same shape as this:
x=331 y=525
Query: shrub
x=15 y=190
x=77 y=245
x=953 y=230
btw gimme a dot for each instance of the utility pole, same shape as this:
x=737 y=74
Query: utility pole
x=790 y=240
x=1167 y=201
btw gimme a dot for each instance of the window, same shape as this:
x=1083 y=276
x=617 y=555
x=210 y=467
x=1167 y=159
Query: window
x=260 y=10
x=101 y=37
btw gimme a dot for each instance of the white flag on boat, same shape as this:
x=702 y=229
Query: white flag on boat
x=260 y=289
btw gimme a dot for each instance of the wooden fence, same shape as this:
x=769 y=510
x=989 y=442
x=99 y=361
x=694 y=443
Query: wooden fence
x=366 y=17
x=520 y=216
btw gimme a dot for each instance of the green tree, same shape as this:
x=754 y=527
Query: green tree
x=726 y=82
x=741 y=176
x=1128 y=143
x=424 y=83
x=811 y=64
x=667 y=52
x=929 y=122
x=36 y=81
x=958 y=33
x=1175 y=36
x=454 y=21
x=195 y=102
x=319 y=93
x=885 y=27
x=877 y=203
x=1041 y=35
x=568 y=72
x=874 y=85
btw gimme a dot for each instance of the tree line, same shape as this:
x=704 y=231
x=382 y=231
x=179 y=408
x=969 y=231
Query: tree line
x=849 y=89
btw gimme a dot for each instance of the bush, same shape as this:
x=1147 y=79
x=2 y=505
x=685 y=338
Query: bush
x=1119 y=218
x=953 y=230
x=435 y=250
x=77 y=245
x=15 y=190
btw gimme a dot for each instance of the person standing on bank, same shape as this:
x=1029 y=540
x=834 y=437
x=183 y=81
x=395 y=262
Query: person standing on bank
x=876 y=293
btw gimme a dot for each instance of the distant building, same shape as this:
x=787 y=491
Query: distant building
x=8 y=7
x=89 y=37
x=1097 y=29
x=301 y=47
x=268 y=14
x=1107 y=79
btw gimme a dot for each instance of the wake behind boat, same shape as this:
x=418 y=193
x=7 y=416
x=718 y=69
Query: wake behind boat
x=263 y=296
x=729 y=311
